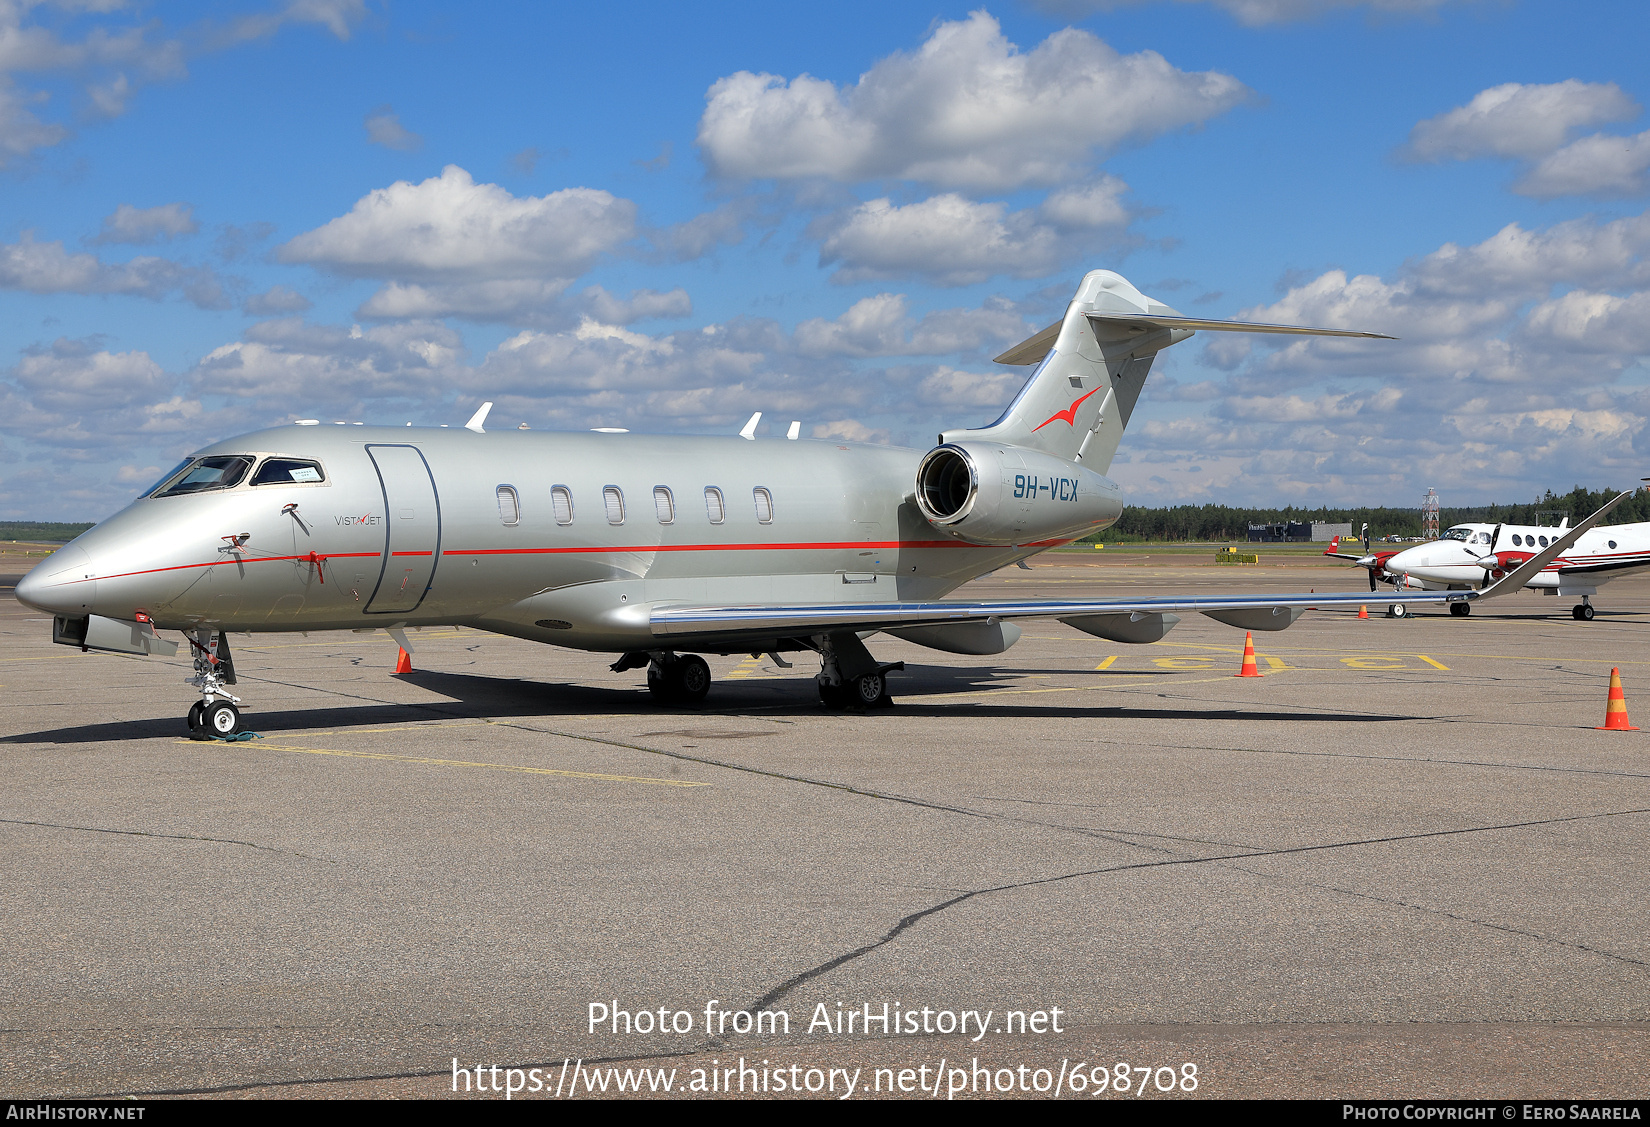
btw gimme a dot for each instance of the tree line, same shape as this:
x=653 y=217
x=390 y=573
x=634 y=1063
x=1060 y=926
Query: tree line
x=1224 y=522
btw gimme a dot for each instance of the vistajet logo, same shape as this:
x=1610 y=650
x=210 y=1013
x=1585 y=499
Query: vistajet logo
x=369 y=518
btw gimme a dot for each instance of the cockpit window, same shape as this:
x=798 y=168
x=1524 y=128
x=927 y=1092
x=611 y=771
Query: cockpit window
x=209 y=474
x=286 y=471
x=1461 y=534
x=170 y=474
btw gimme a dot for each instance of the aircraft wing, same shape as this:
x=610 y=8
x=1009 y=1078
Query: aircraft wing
x=1250 y=612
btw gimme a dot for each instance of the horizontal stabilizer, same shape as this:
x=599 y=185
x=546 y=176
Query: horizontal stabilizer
x=1119 y=326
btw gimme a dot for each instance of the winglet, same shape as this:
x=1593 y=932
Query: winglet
x=748 y=431
x=795 y=431
x=1515 y=579
x=478 y=418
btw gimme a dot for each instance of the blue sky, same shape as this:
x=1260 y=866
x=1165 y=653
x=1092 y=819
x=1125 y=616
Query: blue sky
x=222 y=216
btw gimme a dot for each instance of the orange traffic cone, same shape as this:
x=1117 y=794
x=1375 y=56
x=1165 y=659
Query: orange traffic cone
x=403 y=663
x=1363 y=612
x=1615 y=707
x=1250 y=669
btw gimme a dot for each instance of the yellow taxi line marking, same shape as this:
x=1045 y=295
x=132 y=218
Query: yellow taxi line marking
x=1434 y=664
x=1106 y=664
x=491 y=766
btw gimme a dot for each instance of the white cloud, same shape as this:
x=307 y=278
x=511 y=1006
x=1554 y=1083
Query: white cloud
x=882 y=326
x=291 y=366
x=1252 y=13
x=275 y=301
x=513 y=300
x=1522 y=366
x=953 y=241
x=641 y=305
x=337 y=16
x=69 y=378
x=1597 y=323
x=48 y=268
x=1600 y=165
x=966 y=109
x=160 y=224
x=1516 y=120
x=384 y=128
x=21 y=132
x=450 y=230
x=116 y=54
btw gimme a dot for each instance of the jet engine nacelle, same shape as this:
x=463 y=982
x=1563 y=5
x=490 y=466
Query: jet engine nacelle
x=991 y=493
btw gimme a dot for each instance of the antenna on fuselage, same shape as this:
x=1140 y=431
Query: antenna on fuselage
x=478 y=418
x=748 y=431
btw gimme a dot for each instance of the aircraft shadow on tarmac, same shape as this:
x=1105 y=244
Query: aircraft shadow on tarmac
x=469 y=696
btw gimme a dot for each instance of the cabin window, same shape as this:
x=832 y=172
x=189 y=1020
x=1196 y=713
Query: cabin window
x=764 y=505
x=714 y=508
x=1612 y=544
x=614 y=500
x=1543 y=541
x=561 y=501
x=286 y=471
x=509 y=504
x=664 y=504
x=209 y=474
x=1518 y=540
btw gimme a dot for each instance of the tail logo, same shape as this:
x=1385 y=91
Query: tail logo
x=1069 y=415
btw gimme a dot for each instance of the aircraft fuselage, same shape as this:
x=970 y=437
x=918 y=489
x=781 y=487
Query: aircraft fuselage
x=561 y=538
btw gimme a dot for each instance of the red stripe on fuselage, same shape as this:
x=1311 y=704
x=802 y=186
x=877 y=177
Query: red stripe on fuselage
x=592 y=549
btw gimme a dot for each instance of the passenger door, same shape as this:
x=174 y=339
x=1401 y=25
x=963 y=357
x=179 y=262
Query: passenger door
x=412 y=529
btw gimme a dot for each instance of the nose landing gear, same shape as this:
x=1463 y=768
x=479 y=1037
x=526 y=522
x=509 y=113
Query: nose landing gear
x=1582 y=611
x=215 y=714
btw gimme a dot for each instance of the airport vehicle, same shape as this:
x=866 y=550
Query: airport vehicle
x=1469 y=556
x=657 y=548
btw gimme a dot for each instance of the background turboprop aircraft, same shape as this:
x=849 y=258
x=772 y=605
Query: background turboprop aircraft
x=656 y=548
x=1469 y=556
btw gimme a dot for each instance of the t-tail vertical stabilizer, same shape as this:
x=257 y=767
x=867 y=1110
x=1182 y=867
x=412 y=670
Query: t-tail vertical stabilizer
x=1091 y=367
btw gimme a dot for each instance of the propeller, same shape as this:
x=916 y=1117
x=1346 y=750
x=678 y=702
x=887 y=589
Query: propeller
x=1489 y=561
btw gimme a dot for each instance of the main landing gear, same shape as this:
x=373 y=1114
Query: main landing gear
x=676 y=679
x=1582 y=611
x=1460 y=610
x=215 y=714
x=679 y=679
x=849 y=677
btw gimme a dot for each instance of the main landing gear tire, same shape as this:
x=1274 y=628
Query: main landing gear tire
x=683 y=681
x=1397 y=610
x=195 y=711
x=1582 y=612
x=869 y=691
x=1460 y=610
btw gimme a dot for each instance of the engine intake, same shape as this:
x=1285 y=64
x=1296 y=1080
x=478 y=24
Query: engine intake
x=992 y=493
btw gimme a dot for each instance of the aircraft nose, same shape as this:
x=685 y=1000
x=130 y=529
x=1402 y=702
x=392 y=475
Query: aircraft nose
x=63 y=583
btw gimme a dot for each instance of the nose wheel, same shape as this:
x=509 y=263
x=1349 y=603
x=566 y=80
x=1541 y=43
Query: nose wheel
x=214 y=716
x=1397 y=610
x=1582 y=612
